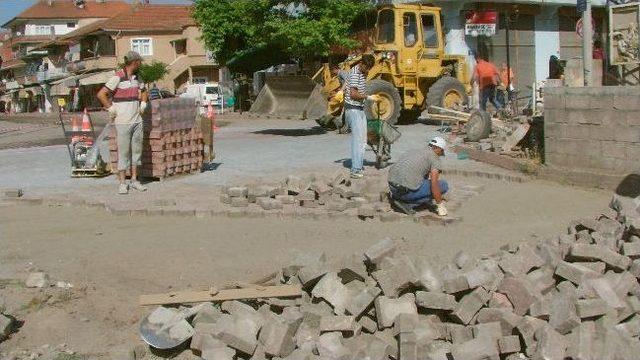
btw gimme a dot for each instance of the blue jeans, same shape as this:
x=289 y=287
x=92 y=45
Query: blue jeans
x=488 y=93
x=417 y=197
x=357 y=121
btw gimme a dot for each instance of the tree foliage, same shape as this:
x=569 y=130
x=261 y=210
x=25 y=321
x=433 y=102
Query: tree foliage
x=150 y=73
x=276 y=29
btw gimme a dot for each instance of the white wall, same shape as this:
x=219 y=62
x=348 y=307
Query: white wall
x=59 y=28
x=547 y=40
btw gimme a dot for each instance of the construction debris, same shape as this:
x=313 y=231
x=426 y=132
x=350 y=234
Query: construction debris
x=571 y=297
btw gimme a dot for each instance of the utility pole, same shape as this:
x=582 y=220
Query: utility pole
x=587 y=41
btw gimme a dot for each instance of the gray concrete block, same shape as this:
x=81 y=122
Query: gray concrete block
x=396 y=274
x=454 y=283
x=505 y=317
x=551 y=345
x=491 y=330
x=470 y=304
x=500 y=301
x=563 y=316
x=342 y=323
x=587 y=308
x=520 y=293
x=458 y=334
x=368 y=324
x=527 y=329
x=384 y=248
x=581 y=342
x=408 y=346
x=360 y=299
x=207 y=314
x=574 y=272
x=331 y=346
x=286 y=199
x=37 y=280
x=428 y=276
x=239 y=202
x=277 y=335
x=631 y=249
x=435 y=301
x=214 y=349
x=605 y=290
x=509 y=344
x=387 y=309
x=486 y=274
x=331 y=289
x=421 y=326
x=483 y=348
x=238 y=191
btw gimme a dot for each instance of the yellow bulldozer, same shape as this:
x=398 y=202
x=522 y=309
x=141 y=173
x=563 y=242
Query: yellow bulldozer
x=411 y=73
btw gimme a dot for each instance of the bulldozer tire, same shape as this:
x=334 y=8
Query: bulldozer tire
x=389 y=106
x=447 y=92
x=479 y=126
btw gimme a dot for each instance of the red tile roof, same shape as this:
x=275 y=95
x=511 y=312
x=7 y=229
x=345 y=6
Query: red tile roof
x=142 y=18
x=65 y=9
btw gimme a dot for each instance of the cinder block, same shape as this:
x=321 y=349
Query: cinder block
x=626 y=102
x=577 y=101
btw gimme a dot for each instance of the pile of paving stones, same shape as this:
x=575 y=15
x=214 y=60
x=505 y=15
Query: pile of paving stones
x=366 y=198
x=575 y=296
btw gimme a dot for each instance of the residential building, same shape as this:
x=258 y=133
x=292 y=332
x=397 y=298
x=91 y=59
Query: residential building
x=164 y=33
x=28 y=66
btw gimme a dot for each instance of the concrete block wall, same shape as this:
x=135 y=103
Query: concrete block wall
x=593 y=129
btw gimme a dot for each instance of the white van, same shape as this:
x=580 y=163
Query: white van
x=204 y=94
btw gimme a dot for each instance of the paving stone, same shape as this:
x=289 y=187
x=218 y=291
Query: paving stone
x=542 y=279
x=387 y=309
x=520 y=293
x=239 y=202
x=575 y=273
x=368 y=324
x=277 y=335
x=396 y=274
x=470 y=304
x=428 y=276
x=361 y=298
x=527 y=329
x=551 y=345
x=606 y=292
x=424 y=329
x=587 y=308
x=631 y=249
x=207 y=314
x=37 y=280
x=454 y=283
x=331 y=289
x=214 y=349
x=237 y=191
x=436 y=301
x=499 y=300
x=483 y=348
x=330 y=346
x=581 y=346
x=340 y=323
x=6 y=326
x=509 y=344
x=563 y=317
x=600 y=253
x=486 y=274
x=491 y=330
x=286 y=199
x=505 y=317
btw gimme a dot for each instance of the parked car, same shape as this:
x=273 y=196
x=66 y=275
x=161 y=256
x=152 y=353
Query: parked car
x=204 y=94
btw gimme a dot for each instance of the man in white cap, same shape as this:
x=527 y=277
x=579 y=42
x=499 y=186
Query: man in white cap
x=414 y=180
x=125 y=97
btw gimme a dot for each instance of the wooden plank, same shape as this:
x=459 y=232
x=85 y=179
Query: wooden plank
x=187 y=297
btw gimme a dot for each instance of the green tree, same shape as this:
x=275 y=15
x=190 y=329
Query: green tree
x=150 y=73
x=252 y=34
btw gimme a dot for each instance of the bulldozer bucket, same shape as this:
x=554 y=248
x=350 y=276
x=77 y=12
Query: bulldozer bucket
x=316 y=106
x=284 y=95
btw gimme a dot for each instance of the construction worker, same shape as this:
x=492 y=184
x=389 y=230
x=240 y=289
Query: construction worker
x=355 y=97
x=414 y=180
x=125 y=98
x=488 y=78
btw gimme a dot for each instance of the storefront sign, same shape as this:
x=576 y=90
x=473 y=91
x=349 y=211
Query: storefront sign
x=481 y=23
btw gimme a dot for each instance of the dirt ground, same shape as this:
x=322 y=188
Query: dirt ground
x=112 y=260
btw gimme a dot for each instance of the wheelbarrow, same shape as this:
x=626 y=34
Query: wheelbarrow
x=380 y=136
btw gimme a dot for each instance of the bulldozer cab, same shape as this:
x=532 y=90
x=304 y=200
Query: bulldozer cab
x=412 y=34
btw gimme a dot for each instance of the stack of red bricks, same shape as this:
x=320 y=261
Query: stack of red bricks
x=173 y=142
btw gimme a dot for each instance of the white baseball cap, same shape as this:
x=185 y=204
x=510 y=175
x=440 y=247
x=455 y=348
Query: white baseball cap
x=438 y=142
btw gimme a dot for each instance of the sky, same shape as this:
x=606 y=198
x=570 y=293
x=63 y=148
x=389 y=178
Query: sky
x=10 y=8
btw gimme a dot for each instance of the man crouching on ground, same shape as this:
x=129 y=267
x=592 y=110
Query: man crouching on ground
x=414 y=178
x=126 y=100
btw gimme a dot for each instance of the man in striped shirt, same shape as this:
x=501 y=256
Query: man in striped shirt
x=355 y=96
x=126 y=100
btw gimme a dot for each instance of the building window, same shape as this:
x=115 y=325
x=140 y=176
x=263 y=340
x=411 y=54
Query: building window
x=143 y=46
x=429 y=31
x=200 y=80
x=43 y=30
x=71 y=25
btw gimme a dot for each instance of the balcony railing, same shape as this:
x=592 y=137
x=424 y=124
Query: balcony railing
x=104 y=62
x=52 y=74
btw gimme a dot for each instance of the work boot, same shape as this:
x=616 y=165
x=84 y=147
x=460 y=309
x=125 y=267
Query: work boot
x=138 y=186
x=123 y=189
